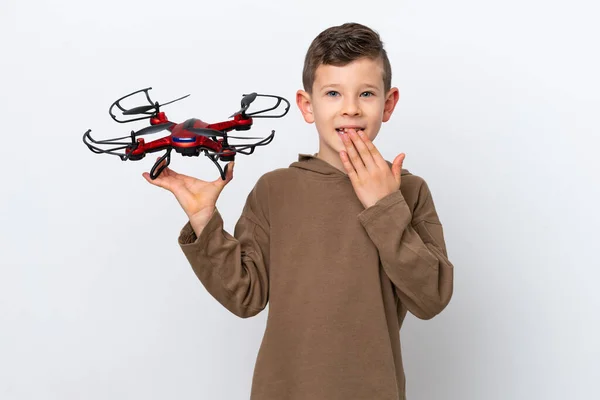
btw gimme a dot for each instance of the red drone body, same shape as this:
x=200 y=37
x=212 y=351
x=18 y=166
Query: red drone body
x=184 y=139
x=189 y=138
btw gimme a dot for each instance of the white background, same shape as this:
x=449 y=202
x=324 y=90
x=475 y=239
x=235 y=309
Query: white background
x=498 y=112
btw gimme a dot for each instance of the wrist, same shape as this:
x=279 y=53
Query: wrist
x=200 y=219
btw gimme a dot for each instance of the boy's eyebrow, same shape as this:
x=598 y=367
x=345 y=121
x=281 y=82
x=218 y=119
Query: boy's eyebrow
x=335 y=85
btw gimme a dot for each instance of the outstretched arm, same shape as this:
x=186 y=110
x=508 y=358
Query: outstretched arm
x=234 y=269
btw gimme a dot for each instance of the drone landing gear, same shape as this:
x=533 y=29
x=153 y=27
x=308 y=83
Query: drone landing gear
x=165 y=160
x=215 y=159
x=158 y=168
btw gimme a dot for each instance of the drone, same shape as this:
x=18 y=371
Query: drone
x=189 y=138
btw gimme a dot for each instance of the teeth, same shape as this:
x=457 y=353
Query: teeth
x=346 y=129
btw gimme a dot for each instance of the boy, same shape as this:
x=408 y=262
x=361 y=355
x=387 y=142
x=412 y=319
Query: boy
x=341 y=243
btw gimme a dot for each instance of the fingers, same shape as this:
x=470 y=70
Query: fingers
x=170 y=180
x=399 y=160
x=352 y=174
x=160 y=180
x=359 y=151
x=378 y=159
x=229 y=174
x=351 y=159
x=397 y=166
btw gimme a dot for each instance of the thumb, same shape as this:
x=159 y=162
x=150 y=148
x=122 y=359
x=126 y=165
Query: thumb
x=228 y=175
x=156 y=182
x=397 y=166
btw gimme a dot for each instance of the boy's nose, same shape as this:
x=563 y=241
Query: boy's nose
x=350 y=107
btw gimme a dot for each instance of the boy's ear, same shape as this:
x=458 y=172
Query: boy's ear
x=305 y=105
x=390 y=103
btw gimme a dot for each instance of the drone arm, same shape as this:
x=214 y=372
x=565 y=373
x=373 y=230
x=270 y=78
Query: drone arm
x=239 y=123
x=151 y=147
x=157 y=145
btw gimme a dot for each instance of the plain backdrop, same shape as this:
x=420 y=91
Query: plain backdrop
x=498 y=112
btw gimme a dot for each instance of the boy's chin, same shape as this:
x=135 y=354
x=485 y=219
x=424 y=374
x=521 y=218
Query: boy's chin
x=339 y=146
x=332 y=146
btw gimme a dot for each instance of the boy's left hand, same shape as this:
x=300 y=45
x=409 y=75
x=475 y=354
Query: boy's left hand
x=369 y=173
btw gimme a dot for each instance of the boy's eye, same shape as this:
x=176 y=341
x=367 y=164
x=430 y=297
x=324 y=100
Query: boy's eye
x=332 y=93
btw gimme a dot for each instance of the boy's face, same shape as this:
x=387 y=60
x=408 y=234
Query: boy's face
x=348 y=96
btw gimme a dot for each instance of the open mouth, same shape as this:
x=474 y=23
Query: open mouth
x=345 y=130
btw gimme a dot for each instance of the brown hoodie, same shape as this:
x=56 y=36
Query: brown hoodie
x=338 y=278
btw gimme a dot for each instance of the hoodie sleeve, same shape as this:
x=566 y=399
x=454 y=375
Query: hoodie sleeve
x=412 y=251
x=233 y=269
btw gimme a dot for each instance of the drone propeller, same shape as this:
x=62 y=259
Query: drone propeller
x=144 y=109
x=154 y=128
x=246 y=101
x=213 y=132
x=144 y=131
x=140 y=109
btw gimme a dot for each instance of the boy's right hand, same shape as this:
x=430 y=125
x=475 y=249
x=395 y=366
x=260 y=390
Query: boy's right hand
x=198 y=198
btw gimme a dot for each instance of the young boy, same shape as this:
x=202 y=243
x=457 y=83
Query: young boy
x=341 y=243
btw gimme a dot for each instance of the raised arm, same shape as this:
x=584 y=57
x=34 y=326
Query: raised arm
x=412 y=250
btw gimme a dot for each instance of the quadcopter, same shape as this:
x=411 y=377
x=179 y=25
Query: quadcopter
x=189 y=138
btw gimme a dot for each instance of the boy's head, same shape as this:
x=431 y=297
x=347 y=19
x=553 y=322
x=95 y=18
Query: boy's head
x=347 y=83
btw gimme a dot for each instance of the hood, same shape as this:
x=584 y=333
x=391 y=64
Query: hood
x=322 y=168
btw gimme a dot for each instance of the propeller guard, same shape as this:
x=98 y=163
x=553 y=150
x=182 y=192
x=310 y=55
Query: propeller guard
x=145 y=110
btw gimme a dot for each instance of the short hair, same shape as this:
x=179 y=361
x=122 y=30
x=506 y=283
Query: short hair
x=339 y=46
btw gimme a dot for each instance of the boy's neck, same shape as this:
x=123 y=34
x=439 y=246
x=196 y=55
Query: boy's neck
x=331 y=157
